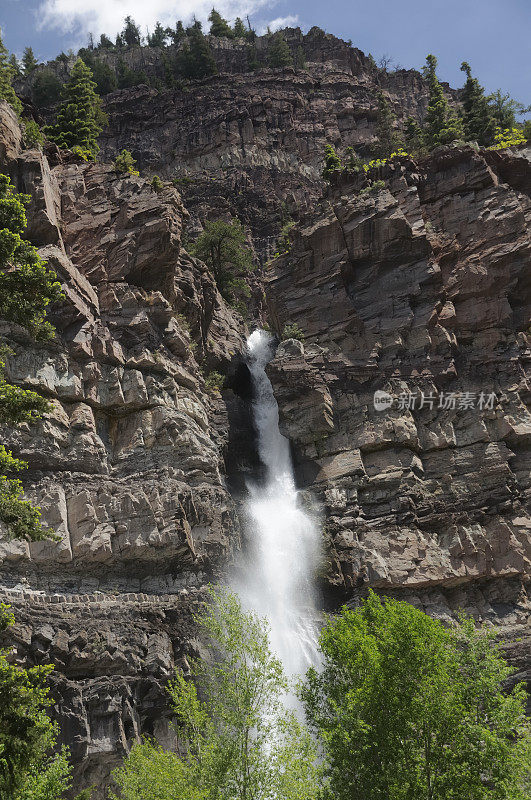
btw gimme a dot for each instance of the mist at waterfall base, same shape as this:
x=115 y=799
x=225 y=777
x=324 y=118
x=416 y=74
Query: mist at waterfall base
x=283 y=540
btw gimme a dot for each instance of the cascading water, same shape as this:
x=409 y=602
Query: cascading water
x=284 y=539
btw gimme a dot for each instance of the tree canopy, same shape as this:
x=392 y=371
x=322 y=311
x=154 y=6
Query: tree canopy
x=442 y=126
x=239 y=742
x=219 y=26
x=407 y=709
x=478 y=120
x=279 y=52
x=7 y=73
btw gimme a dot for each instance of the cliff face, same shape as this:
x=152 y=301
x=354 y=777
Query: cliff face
x=128 y=464
x=422 y=289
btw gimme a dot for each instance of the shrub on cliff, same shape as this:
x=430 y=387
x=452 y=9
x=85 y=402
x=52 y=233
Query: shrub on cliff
x=279 y=52
x=222 y=246
x=442 y=126
x=26 y=289
x=407 y=708
x=478 y=120
x=80 y=118
x=332 y=163
x=126 y=163
x=238 y=740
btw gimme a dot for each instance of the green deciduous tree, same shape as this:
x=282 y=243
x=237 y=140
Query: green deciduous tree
x=441 y=125
x=407 y=709
x=219 y=26
x=222 y=246
x=478 y=120
x=27 y=735
x=195 y=59
x=505 y=109
x=26 y=289
x=29 y=62
x=279 y=52
x=239 y=741
x=6 y=80
x=80 y=118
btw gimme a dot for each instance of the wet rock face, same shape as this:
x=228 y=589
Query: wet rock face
x=421 y=288
x=128 y=464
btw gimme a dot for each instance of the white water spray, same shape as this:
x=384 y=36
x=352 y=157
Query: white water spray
x=284 y=540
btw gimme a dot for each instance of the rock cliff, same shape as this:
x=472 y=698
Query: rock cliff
x=419 y=289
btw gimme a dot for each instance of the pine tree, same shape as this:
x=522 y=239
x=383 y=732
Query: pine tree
x=300 y=58
x=79 y=119
x=6 y=79
x=15 y=66
x=478 y=121
x=279 y=53
x=29 y=62
x=414 y=137
x=158 y=37
x=104 y=77
x=177 y=34
x=131 y=33
x=442 y=126
x=195 y=59
x=389 y=140
x=105 y=43
x=219 y=26
x=46 y=88
x=239 y=30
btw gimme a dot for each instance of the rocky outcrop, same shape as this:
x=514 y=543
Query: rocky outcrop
x=128 y=464
x=419 y=290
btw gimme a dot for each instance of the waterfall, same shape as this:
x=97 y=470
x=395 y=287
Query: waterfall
x=283 y=538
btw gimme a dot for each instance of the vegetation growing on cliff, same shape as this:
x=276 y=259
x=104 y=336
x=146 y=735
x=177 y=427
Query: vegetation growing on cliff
x=27 y=287
x=239 y=740
x=223 y=247
x=80 y=118
x=407 y=708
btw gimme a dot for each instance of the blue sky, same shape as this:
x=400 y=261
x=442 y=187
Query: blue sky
x=493 y=35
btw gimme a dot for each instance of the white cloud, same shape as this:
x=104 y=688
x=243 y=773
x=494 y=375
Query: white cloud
x=106 y=16
x=280 y=22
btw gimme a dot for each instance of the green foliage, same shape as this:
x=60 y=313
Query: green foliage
x=293 y=331
x=32 y=133
x=222 y=246
x=127 y=77
x=80 y=118
x=15 y=66
x=389 y=140
x=441 y=126
x=104 y=77
x=158 y=37
x=219 y=26
x=300 y=58
x=126 y=163
x=195 y=59
x=478 y=120
x=6 y=79
x=504 y=109
x=239 y=30
x=238 y=740
x=105 y=43
x=510 y=137
x=408 y=709
x=279 y=52
x=29 y=62
x=176 y=34
x=214 y=381
x=332 y=163
x=131 y=35
x=26 y=289
x=27 y=735
x=156 y=184
x=284 y=239
x=46 y=88
x=414 y=138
